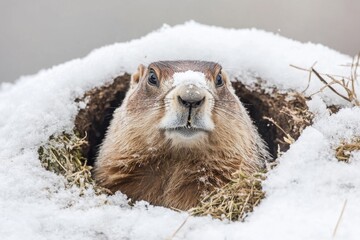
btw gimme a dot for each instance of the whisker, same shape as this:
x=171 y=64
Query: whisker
x=226 y=115
x=225 y=101
x=147 y=107
x=222 y=100
x=227 y=111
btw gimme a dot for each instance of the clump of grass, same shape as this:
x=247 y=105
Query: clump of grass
x=343 y=151
x=234 y=200
x=63 y=155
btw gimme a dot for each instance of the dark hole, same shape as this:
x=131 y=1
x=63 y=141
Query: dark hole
x=258 y=109
x=266 y=129
x=97 y=136
x=94 y=120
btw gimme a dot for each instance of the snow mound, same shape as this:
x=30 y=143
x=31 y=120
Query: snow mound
x=305 y=193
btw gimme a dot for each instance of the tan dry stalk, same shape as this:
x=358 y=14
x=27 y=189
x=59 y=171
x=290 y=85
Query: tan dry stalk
x=346 y=83
x=288 y=139
x=339 y=219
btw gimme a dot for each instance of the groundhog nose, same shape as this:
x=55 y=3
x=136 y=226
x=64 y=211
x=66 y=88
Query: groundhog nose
x=193 y=103
x=191 y=96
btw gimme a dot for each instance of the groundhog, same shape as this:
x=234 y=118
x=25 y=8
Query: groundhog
x=180 y=133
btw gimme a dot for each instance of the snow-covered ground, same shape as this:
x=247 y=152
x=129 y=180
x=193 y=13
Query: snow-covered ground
x=305 y=192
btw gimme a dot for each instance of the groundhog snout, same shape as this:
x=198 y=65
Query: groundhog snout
x=190 y=96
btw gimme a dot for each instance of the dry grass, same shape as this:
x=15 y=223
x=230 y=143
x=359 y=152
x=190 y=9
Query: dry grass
x=298 y=117
x=287 y=138
x=63 y=155
x=346 y=83
x=234 y=200
x=343 y=152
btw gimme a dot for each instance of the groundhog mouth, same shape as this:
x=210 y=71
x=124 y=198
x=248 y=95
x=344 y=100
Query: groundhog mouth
x=187 y=131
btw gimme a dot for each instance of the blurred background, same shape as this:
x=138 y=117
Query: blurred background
x=37 y=34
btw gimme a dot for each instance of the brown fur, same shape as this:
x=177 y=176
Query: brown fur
x=137 y=159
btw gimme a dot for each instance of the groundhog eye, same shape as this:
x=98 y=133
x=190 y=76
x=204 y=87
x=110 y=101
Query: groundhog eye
x=152 y=79
x=219 y=80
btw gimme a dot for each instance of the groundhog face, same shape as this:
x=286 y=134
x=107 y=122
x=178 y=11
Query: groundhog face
x=190 y=98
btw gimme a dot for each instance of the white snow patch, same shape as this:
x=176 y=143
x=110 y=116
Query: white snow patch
x=189 y=78
x=318 y=107
x=305 y=193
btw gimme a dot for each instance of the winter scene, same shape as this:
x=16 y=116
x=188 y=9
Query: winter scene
x=186 y=131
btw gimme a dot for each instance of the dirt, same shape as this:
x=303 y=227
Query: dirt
x=288 y=110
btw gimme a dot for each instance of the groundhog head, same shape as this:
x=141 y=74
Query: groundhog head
x=189 y=102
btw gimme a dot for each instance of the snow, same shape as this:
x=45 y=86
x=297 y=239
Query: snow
x=191 y=78
x=304 y=193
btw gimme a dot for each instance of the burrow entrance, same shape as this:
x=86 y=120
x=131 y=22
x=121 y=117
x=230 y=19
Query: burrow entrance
x=276 y=115
x=279 y=117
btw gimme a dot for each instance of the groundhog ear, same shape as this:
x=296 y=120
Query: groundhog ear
x=135 y=77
